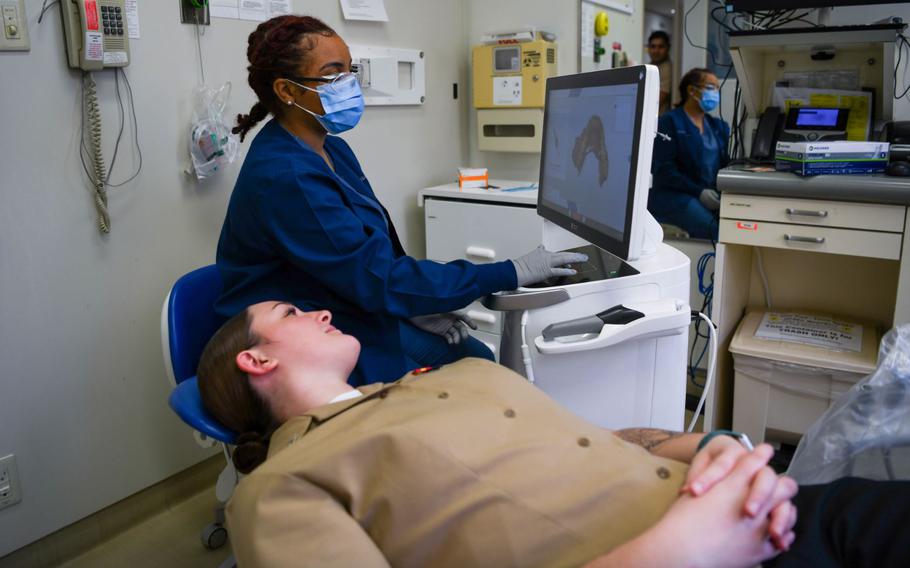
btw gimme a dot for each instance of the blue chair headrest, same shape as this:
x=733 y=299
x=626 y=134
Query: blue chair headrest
x=187 y=403
x=192 y=319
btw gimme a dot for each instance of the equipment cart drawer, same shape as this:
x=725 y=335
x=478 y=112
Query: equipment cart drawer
x=868 y=216
x=815 y=239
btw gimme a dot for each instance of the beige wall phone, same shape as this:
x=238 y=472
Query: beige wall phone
x=96 y=33
x=96 y=37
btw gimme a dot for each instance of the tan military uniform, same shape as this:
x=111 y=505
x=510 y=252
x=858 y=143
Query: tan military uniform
x=468 y=465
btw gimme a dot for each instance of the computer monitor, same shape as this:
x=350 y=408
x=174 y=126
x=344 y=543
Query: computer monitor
x=595 y=165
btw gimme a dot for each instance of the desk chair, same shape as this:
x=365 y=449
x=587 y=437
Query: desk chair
x=188 y=321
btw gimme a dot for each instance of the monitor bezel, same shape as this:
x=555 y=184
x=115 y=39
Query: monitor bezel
x=764 y=5
x=604 y=78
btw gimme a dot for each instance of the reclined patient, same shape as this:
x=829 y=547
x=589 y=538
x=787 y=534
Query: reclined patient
x=469 y=465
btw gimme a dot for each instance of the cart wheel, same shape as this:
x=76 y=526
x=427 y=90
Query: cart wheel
x=214 y=536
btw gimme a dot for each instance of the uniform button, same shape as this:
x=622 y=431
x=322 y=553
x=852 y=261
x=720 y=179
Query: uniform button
x=383 y=394
x=509 y=413
x=584 y=442
x=663 y=473
x=443 y=395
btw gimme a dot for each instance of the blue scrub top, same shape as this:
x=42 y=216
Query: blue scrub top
x=710 y=156
x=296 y=231
x=690 y=160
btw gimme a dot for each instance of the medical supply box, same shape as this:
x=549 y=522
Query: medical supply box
x=790 y=367
x=838 y=157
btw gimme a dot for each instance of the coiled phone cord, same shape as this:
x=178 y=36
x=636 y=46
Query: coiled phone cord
x=99 y=180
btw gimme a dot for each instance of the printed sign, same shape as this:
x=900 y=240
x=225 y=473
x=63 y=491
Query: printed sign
x=811 y=330
x=115 y=58
x=94 y=49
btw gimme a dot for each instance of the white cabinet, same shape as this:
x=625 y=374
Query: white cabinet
x=824 y=255
x=481 y=226
x=479 y=231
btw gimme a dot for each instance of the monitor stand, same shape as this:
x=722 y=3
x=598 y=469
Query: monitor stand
x=601 y=265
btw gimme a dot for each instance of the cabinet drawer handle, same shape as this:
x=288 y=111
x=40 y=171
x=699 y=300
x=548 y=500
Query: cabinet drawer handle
x=481 y=316
x=481 y=252
x=806 y=212
x=799 y=239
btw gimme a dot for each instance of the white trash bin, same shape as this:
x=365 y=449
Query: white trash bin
x=781 y=387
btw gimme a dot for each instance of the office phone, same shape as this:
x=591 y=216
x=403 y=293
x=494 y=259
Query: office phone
x=95 y=34
x=96 y=37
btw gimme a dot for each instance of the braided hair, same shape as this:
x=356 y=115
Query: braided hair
x=275 y=49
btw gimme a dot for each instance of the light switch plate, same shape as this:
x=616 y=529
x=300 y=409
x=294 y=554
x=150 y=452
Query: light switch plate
x=14 y=35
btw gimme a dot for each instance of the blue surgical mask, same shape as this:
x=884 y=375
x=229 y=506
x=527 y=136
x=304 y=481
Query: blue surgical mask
x=710 y=98
x=342 y=101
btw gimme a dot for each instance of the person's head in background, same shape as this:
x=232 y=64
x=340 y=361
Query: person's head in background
x=268 y=364
x=658 y=47
x=699 y=91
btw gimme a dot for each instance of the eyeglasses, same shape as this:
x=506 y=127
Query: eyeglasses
x=336 y=82
x=709 y=87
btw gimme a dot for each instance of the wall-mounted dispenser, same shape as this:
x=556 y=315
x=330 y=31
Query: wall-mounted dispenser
x=510 y=71
x=390 y=76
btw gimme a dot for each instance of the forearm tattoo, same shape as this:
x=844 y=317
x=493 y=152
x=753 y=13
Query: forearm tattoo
x=647 y=438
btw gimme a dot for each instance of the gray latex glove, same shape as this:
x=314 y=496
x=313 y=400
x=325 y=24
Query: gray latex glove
x=710 y=198
x=540 y=264
x=453 y=326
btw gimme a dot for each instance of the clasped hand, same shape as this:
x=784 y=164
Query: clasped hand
x=452 y=326
x=747 y=483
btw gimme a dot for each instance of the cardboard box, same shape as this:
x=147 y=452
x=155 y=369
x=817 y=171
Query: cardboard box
x=840 y=157
x=473 y=178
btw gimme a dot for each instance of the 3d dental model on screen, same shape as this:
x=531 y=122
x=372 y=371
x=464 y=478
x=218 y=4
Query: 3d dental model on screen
x=592 y=141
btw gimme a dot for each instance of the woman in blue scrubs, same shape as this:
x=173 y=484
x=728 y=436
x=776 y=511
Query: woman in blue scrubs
x=304 y=226
x=685 y=166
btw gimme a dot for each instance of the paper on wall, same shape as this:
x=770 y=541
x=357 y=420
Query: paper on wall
x=131 y=7
x=811 y=330
x=371 y=10
x=256 y=10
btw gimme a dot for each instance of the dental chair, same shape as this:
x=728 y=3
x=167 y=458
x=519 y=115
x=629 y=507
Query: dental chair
x=188 y=321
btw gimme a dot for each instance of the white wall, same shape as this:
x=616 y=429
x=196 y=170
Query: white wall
x=83 y=399
x=561 y=18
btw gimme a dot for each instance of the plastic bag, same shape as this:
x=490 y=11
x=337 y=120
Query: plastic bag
x=212 y=145
x=866 y=433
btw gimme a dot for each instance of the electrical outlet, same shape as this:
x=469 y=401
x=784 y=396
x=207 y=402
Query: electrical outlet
x=10 y=493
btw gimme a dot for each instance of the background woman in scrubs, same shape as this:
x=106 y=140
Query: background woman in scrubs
x=685 y=166
x=305 y=227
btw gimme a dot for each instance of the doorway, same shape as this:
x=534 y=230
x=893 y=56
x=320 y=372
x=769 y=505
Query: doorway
x=664 y=15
